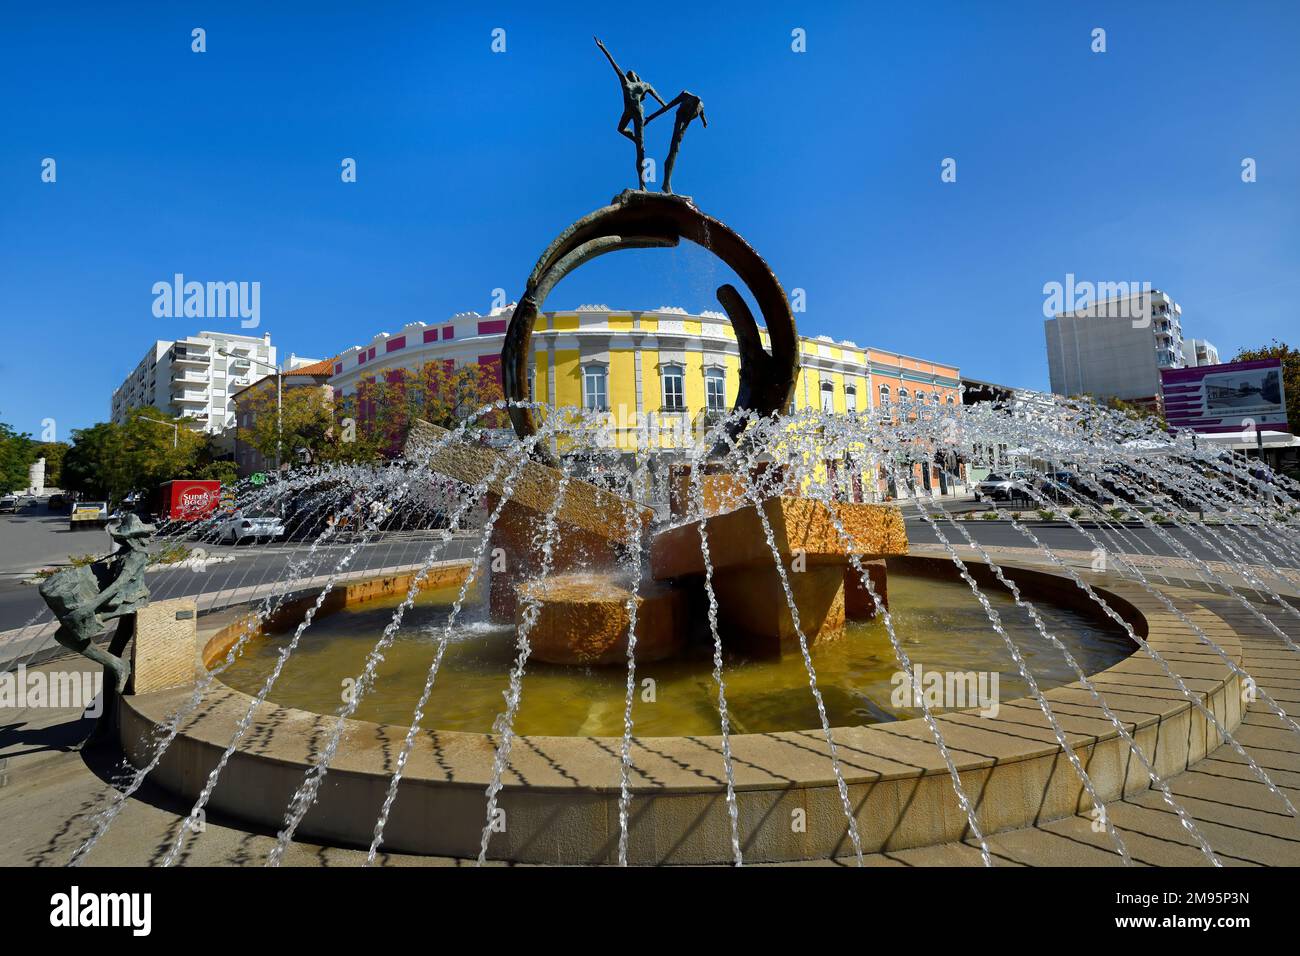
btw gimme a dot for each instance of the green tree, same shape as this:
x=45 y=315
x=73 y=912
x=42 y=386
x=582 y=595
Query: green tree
x=109 y=461
x=96 y=464
x=1290 y=359
x=437 y=393
x=16 y=453
x=306 y=421
x=1131 y=410
x=52 y=452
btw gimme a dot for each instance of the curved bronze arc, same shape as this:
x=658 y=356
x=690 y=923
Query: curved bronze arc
x=643 y=220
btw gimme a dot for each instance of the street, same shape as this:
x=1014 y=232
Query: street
x=29 y=541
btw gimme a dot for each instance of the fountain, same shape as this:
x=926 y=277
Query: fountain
x=726 y=653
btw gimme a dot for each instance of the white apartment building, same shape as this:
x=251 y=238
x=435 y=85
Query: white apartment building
x=1116 y=347
x=1198 y=352
x=190 y=378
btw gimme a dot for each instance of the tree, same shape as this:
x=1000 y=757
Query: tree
x=109 y=461
x=16 y=453
x=437 y=393
x=1130 y=410
x=306 y=421
x=1290 y=359
x=52 y=452
x=96 y=464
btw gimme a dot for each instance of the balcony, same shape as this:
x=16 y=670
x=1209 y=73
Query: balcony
x=183 y=357
x=185 y=397
x=188 y=377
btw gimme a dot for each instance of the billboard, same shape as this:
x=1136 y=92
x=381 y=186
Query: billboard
x=1232 y=397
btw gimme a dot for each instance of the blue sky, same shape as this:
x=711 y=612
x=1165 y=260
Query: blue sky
x=1119 y=166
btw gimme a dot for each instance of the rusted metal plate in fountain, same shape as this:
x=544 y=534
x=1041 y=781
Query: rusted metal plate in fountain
x=535 y=487
x=801 y=528
x=583 y=619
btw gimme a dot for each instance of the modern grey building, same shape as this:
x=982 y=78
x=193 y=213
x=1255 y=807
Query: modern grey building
x=1115 y=348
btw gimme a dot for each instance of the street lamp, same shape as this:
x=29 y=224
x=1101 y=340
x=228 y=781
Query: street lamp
x=279 y=397
x=176 y=429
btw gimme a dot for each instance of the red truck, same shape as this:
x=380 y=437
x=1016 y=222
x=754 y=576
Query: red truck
x=188 y=500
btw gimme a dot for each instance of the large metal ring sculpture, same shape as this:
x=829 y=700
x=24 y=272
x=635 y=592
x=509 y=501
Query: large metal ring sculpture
x=640 y=220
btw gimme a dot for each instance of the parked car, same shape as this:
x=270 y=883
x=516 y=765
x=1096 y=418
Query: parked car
x=239 y=528
x=8 y=504
x=58 y=502
x=88 y=514
x=996 y=487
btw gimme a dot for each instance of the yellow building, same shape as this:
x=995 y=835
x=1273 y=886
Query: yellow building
x=660 y=371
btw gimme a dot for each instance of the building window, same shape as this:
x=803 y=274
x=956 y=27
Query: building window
x=674 y=396
x=595 y=395
x=828 y=397
x=902 y=395
x=715 y=390
x=920 y=398
x=851 y=399
x=884 y=395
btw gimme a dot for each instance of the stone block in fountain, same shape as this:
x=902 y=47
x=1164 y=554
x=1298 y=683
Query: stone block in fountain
x=592 y=523
x=583 y=619
x=751 y=599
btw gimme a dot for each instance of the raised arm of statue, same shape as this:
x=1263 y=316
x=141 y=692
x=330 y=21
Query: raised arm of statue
x=651 y=90
x=609 y=57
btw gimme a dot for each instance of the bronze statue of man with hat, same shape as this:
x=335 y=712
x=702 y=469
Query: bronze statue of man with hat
x=87 y=598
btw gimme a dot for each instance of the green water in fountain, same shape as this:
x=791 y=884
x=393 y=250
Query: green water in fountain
x=944 y=626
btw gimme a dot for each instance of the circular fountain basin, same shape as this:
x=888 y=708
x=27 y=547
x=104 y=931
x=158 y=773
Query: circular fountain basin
x=942 y=626
x=561 y=792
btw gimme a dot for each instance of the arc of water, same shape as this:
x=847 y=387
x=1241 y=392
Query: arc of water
x=247 y=719
x=1184 y=818
x=1190 y=525
x=408 y=745
x=505 y=721
x=836 y=769
x=697 y=497
x=1027 y=675
x=816 y=431
x=1210 y=477
x=1200 y=633
x=634 y=530
x=905 y=664
x=167 y=732
x=1240 y=565
x=307 y=792
x=1163 y=664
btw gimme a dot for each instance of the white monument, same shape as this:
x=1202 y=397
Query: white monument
x=36 y=477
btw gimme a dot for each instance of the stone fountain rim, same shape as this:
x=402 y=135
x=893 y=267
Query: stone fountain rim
x=908 y=739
